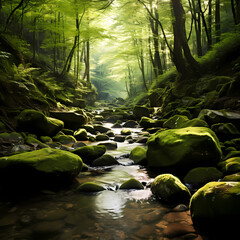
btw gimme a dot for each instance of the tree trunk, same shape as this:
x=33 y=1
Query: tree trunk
x=180 y=41
x=217 y=21
x=34 y=39
x=88 y=63
x=210 y=23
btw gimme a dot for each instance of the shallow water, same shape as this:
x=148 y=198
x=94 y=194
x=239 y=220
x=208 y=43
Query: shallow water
x=110 y=214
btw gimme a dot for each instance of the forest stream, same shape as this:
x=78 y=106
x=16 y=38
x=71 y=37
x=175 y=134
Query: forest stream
x=110 y=214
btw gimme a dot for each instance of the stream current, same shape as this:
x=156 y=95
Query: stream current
x=110 y=214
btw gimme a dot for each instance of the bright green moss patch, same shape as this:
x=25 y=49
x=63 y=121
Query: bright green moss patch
x=132 y=184
x=90 y=187
x=138 y=155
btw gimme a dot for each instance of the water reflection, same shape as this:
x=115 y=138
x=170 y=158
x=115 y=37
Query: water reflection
x=111 y=204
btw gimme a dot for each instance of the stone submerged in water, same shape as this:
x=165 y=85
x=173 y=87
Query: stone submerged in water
x=41 y=167
x=170 y=190
x=33 y=121
x=105 y=160
x=90 y=187
x=215 y=209
x=180 y=150
x=138 y=155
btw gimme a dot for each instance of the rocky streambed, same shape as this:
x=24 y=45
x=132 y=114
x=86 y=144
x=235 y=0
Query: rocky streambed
x=118 y=178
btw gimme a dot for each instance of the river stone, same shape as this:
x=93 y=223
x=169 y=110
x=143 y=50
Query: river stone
x=175 y=121
x=220 y=116
x=78 y=145
x=89 y=128
x=130 y=124
x=72 y=120
x=119 y=138
x=231 y=165
x=105 y=160
x=170 y=190
x=195 y=122
x=102 y=137
x=116 y=125
x=67 y=131
x=140 y=111
x=132 y=184
x=90 y=187
x=125 y=132
x=65 y=139
x=11 y=138
x=34 y=142
x=139 y=155
x=215 y=208
x=225 y=131
x=100 y=128
x=33 y=121
x=81 y=134
x=46 y=166
x=183 y=149
x=232 y=178
x=202 y=175
x=46 y=139
x=90 y=153
x=109 y=145
x=147 y=122
x=98 y=118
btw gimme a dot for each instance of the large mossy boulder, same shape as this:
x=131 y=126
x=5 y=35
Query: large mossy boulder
x=33 y=121
x=90 y=153
x=170 y=190
x=180 y=150
x=139 y=155
x=202 y=175
x=215 y=210
x=72 y=120
x=48 y=167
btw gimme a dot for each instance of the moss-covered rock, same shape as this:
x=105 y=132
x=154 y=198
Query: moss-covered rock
x=90 y=153
x=175 y=121
x=105 y=160
x=147 y=122
x=46 y=166
x=65 y=139
x=33 y=121
x=225 y=131
x=170 y=190
x=232 y=178
x=195 y=122
x=89 y=128
x=72 y=120
x=34 y=142
x=46 y=139
x=119 y=138
x=140 y=111
x=232 y=154
x=81 y=134
x=139 y=155
x=132 y=184
x=100 y=128
x=183 y=149
x=125 y=132
x=130 y=124
x=231 y=165
x=68 y=131
x=215 y=208
x=102 y=137
x=11 y=138
x=202 y=175
x=90 y=187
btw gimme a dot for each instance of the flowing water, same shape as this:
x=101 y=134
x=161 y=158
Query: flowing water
x=110 y=214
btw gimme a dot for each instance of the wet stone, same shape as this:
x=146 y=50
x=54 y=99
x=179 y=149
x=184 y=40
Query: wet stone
x=47 y=227
x=177 y=229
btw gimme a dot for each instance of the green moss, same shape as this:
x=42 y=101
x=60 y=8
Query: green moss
x=175 y=121
x=33 y=142
x=139 y=155
x=202 y=175
x=81 y=134
x=232 y=178
x=65 y=139
x=169 y=189
x=126 y=132
x=90 y=153
x=185 y=147
x=102 y=137
x=90 y=187
x=46 y=139
x=231 y=165
x=132 y=184
x=105 y=160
